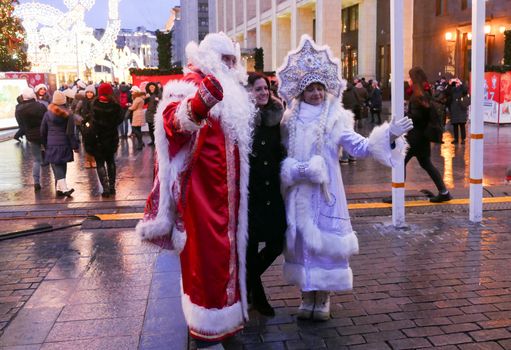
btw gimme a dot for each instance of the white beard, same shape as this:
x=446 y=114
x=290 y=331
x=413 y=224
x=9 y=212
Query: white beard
x=236 y=111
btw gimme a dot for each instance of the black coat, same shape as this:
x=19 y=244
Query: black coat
x=30 y=115
x=266 y=212
x=458 y=101
x=105 y=119
x=418 y=111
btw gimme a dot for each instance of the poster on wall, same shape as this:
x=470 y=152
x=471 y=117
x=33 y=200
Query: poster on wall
x=10 y=89
x=505 y=98
x=491 y=97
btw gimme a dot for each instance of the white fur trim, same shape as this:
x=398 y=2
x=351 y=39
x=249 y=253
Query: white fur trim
x=317 y=171
x=177 y=90
x=286 y=169
x=168 y=173
x=185 y=123
x=379 y=146
x=212 y=321
x=316 y=278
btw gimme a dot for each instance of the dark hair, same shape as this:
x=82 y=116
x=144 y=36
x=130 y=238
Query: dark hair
x=254 y=76
x=420 y=81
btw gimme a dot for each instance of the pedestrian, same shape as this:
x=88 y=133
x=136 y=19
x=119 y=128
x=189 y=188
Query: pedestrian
x=350 y=102
x=418 y=110
x=42 y=95
x=20 y=133
x=138 y=120
x=84 y=111
x=203 y=136
x=58 y=142
x=375 y=103
x=124 y=101
x=319 y=236
x=106 y=117
x=152 y=98
x=30 y=114
x=458 y=102
x=266 y=213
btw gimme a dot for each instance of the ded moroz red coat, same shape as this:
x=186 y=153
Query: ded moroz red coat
x=198 y=203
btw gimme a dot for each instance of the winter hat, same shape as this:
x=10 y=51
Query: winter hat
x=28 y=94
x=105 y=89
x=70 y=93
x=135 y=88
x=91 y=88
x=39 y=87
x=59 y=98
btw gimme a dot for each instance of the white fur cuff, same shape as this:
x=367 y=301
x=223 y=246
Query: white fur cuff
x=379 y=146
x=317 y=171
x=183 y=117
x=286 y=172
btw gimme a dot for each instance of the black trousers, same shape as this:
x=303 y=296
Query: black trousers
x=459 y=128
x=424 y=160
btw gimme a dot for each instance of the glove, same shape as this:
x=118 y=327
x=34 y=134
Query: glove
x=208 y=94
x=399 y=127
x=314 y=170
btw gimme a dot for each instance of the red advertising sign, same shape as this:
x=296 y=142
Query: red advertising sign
x=142 y=80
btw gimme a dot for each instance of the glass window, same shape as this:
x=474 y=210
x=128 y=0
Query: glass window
x=345 y=20
x=354 y=18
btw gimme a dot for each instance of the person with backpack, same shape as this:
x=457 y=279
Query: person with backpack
x=84 y=114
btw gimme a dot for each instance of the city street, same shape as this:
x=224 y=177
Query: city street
x=441 y=282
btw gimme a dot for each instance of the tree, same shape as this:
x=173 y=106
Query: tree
x=12 y=53
x=164 y=40
x=259 y=59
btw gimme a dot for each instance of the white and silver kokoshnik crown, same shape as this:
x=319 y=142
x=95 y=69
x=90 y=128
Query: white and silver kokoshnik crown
x=309 y=63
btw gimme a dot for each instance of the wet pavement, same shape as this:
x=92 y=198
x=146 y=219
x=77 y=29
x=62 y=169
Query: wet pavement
x=440 y=283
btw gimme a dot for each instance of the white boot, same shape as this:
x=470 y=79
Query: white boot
x=322 y=306
x=307 y=306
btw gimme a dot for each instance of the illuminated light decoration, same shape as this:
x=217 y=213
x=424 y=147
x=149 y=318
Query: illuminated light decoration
x=57 y=38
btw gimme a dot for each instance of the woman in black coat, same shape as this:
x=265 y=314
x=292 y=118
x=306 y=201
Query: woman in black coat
x=266 y=212
x=418 y=110
x=106 y=116
x=458 y=101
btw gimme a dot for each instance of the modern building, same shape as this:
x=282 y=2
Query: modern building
x=436 y=32
x=193 y=19
x=142 y=42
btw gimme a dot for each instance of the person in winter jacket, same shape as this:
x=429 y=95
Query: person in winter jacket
x=375 y=103
x=319 y=236
x=266 y=213
x=138 y=115
x=420 y=102
x=458 y=102
x=152 y=98
x=83 y=116
x=124 y=101
x=30 y=114
x=106 y=116
x=58 y=142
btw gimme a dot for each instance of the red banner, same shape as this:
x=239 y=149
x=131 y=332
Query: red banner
x=142 y=80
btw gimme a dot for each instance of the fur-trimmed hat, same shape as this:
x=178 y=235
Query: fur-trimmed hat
x=59 y=98
x=39 y=87
x=28 y=94
x=135 y=88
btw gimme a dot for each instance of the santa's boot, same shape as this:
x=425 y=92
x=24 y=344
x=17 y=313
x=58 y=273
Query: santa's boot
x=322 y=306
x=62 y=189
x=307 y=306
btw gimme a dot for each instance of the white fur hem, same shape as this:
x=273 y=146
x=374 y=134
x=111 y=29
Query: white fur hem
x=212 y=321
x=185 y=123
x=335 y=245
x=379 y=146
x=316 y=278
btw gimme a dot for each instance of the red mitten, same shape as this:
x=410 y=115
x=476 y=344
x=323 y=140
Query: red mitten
x=210 y=92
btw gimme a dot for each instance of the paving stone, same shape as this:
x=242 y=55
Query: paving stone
x=450 y=339
x=409 y=343
x=490 y=334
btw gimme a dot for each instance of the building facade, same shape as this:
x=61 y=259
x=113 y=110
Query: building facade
x=142 y=42
x=193 y=19
x=436 y=33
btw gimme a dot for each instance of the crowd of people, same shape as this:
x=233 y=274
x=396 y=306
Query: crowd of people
x=93 y=115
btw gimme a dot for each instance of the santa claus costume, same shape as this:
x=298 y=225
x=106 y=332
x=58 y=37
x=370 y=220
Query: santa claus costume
x=319 y=237
x=198 y=203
